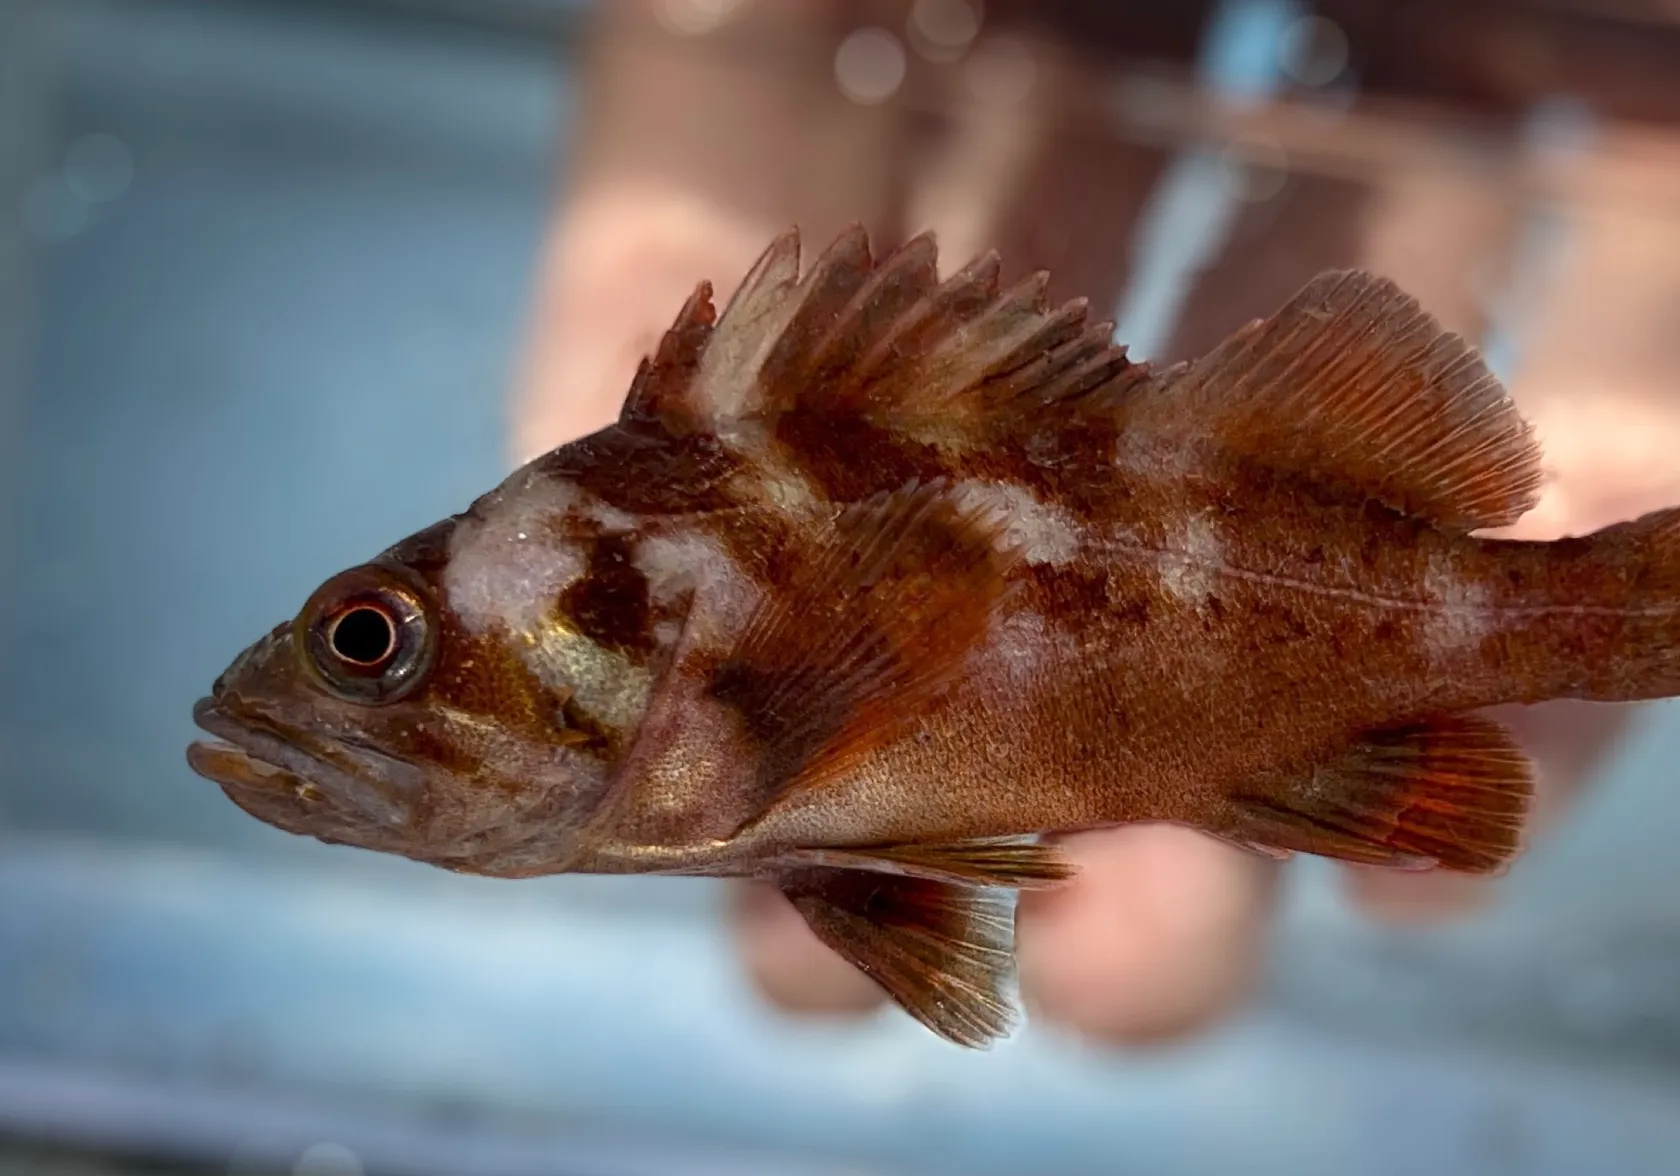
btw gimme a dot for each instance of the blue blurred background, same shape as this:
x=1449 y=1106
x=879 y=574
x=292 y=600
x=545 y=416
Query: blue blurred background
x=265 y=278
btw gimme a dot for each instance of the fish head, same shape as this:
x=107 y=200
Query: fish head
x=418 y=705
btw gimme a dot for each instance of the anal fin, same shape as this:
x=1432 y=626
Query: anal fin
x=943 y=953
x=1451 y=791
x=1014 y=865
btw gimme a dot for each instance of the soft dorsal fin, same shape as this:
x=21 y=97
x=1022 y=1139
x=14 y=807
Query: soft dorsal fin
x=1353 y=383
x=886 y=340
x=944 y=953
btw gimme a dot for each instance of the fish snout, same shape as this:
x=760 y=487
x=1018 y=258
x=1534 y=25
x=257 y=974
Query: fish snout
x=256 y=654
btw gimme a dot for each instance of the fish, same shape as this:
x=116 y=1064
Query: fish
x=882 y=579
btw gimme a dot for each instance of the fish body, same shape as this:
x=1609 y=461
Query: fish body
x=880 y=576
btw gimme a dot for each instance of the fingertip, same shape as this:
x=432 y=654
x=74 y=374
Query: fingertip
x=788 y=965
x=1159 y=936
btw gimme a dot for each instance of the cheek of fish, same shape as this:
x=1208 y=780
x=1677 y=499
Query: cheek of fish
x=880 y=575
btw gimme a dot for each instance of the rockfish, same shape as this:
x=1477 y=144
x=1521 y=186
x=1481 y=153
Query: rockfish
x=879 y=577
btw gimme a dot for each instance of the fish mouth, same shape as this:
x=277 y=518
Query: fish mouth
x=245 y=754
x=251 y=756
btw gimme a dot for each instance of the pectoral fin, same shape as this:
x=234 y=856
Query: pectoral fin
x=944 y=953
x=880 y=618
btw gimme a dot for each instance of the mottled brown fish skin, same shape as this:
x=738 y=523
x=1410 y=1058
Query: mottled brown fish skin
x=880 y=574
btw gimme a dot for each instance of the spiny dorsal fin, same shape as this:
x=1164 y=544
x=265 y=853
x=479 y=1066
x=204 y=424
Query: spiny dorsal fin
x=944 y=953
x=885 y=340
x=662 y=389
x=886 y=607
x=703 y=375
x=1354 y=384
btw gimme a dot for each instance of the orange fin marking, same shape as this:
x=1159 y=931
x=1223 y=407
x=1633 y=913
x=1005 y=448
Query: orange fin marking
x=885 y=609
x=1013 y=865
x=1353 y=383
x=1451 y=791
x=944 y=953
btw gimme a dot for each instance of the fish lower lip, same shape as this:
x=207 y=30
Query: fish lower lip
x=230 y=765
x=237 y=751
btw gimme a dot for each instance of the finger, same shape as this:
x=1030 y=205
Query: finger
x=1569 y=743
x=788 y=964
x=1160 y=933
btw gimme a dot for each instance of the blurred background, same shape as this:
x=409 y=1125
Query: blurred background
x=276 y=279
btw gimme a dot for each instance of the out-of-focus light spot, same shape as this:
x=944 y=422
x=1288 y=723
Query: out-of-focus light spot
x=1256 y=169
x=98 y=168
x=1314 y=51
x=870 y=65
x=328 y=1159
x=51 y=211
x=693 y=18
x=940 y=30
x=1002 y=72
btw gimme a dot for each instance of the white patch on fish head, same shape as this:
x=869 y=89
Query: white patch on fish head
x=610 y=518
x=507 y=563
x=688 y=565
x=1044 y=532
x=1460 y=615
x=1190 y=564
x=604 y=682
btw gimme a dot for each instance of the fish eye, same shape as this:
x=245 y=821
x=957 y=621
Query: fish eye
x=366 y=635
x=362 y=635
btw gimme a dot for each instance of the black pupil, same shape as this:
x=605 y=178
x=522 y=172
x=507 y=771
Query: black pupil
x=364 y=636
